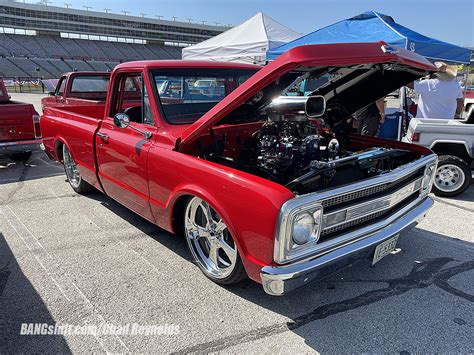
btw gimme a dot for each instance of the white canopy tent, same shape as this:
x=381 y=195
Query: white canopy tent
x=246 y=43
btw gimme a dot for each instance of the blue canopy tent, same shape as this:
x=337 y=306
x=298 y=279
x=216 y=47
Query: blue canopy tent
x=372 y=27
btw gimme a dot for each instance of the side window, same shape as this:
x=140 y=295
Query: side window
x=132 y=99
x=147 y=115
x=128 y=96
x=61 y=86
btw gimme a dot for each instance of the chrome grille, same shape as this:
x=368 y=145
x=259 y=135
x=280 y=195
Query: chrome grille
x=351 y=223
x=369 y=209
x=332 y=201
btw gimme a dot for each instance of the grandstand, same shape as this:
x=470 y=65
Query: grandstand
x=39 y=41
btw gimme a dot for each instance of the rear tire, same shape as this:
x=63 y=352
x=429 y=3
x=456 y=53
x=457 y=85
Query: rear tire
x=72 y=174
x=453 y=176
x=212 y=246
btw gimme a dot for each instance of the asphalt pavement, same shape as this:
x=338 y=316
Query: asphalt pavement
x=72 y=259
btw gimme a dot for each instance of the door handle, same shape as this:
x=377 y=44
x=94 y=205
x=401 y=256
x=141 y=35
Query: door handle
x=103 y=136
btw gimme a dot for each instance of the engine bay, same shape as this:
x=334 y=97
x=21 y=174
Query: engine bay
x=272 y=135
x=300 y=153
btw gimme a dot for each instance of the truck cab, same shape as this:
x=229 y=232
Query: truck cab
x=79 y=89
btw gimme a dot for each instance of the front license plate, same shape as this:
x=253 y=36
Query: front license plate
x=385 y=248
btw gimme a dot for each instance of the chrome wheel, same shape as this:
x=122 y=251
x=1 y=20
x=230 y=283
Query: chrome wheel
x=72 y=174
x=449 y=177
x=209 y=240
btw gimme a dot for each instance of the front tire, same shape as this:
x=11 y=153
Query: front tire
x=453 y=176
x=72 y=174
x=212 y=246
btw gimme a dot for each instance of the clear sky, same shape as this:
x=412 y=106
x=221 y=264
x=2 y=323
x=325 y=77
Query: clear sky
x=448 y=20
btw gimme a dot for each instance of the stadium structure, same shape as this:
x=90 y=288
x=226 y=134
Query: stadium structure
x=43 y=41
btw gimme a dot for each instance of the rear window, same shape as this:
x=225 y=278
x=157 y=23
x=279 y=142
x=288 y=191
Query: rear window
x=94 y=87
x=187 y=94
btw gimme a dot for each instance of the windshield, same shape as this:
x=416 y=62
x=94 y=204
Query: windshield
x=187 y=94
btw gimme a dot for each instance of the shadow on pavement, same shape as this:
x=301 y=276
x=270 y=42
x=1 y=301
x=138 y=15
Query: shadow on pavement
x=467 y=195
x=21 y=303
x=35 y=167
x=351 y=289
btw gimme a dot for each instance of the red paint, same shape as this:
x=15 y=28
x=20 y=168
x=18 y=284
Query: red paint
x=150 y=176
x=16 y=119
x=68 y=98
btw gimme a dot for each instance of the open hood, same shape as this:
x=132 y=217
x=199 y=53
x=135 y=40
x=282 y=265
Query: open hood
x=357 y=74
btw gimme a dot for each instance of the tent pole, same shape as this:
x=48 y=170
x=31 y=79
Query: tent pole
x=402 y=111
x=467 y=80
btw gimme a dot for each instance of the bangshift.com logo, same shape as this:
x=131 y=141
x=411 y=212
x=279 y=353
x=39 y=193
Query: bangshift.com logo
x=97 y=330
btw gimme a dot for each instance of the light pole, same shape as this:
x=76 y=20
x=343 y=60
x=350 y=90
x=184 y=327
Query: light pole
x=67 y=6
x=107 y=11
x=87 y=7
x=174 y=18
x=159 y=17
x=189 y=20
x=143 y=15
x=203 y=22
x=125 y=12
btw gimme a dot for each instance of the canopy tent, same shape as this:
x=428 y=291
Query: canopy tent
x=372 y=27
x=246 y=43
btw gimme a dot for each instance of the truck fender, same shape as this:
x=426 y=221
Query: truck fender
x=198 y=191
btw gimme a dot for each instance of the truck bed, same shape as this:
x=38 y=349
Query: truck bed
x=77 y=126
x=16 y=122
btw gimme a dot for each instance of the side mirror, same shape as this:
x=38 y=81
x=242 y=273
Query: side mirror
x=121 y=120
x=315 y=106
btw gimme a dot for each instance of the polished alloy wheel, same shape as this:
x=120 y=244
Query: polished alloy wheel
x=209 y=239
x=73 y=175
x=449 y=177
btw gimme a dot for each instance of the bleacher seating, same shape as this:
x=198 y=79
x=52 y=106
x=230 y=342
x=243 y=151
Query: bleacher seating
x=46 y=67
x=27 y=66
x=112 y=65
x=78 y=65
x=8 y=69
x=73 y=50
x=98 y=66
x=60 y=64
x=21 y=55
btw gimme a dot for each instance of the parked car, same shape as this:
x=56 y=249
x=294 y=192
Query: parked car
x=273 y=188
x=453 y=141
x=79 y=89
x=20 y=132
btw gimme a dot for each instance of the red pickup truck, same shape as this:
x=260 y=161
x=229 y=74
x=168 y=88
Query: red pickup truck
x=260 y=184
x=20 y=132
x=79 y=89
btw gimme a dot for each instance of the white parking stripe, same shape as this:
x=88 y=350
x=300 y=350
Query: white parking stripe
x=60 y=277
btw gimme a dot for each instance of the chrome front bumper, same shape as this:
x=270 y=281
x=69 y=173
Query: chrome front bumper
x=279 y=280
x=20 y=146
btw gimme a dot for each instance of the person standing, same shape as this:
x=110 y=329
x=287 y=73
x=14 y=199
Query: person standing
x=370 y=117
x=440 y=96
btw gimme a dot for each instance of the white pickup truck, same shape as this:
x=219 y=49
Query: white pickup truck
x=453 y=141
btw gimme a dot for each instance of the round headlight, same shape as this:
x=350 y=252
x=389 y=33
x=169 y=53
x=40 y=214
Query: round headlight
x=303 y=228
